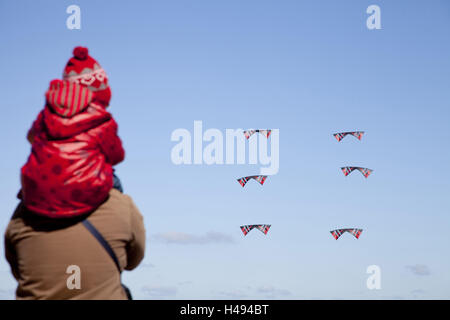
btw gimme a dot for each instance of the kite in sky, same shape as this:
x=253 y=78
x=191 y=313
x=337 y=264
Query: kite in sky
x=264 y=228
x=341 y=135
x=249 y=133
x=365 y=172
x=338 y=232
x=244 y=180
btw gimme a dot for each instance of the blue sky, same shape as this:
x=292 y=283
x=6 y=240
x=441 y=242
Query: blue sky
x=307 y=68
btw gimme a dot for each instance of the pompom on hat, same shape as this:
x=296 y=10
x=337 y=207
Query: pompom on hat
x=86 y=71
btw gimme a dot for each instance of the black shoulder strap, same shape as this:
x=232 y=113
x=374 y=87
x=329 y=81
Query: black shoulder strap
x=93 y=230
x=102 y=241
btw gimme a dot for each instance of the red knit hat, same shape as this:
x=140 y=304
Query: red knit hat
x=85 y=70
x=67 y=98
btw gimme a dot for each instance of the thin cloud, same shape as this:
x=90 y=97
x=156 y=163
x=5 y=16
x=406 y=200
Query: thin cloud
x=394 y=297
x=419 y=270
x=235 y=294
x=268 y=292
x=418 y=292
x=147 y=265
x=160 y=292
x=175 y=237
x=272 y=292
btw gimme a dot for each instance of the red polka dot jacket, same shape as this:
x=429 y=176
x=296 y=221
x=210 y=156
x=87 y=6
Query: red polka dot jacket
x=74 y=146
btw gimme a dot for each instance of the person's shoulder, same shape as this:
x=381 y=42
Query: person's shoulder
x=19 y=224
x=14 y=221
x=116 y=206
x=125 y=205
x=116 y=195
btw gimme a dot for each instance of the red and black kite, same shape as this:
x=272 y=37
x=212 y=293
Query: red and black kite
x=341 y=135
x=264 y=228
x=244 y=180
x=338 y=232
x=249 y=133
x=365 y=171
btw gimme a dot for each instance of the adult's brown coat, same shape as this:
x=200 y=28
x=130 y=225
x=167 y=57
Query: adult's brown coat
x=40 y=250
